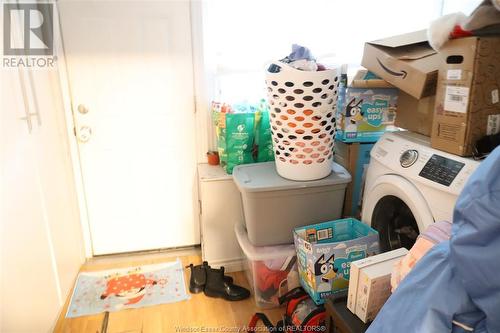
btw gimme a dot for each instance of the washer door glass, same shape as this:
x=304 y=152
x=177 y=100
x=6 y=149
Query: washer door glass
x=395 y=222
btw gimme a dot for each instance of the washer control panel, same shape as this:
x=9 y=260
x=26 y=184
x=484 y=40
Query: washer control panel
x=441 y=170
x=408 y=158
x=411 y=156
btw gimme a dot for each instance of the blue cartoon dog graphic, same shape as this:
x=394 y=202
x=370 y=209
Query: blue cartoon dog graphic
x=354 y=113
x=326 y=271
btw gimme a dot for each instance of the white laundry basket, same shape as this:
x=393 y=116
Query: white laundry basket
x=302 y=109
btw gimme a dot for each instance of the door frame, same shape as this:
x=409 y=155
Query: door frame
x=204 y=139
x=67 y=97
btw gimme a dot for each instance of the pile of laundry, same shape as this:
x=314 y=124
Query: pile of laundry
x=300 y=58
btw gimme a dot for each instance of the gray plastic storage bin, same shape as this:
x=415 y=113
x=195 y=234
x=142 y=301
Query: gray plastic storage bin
x=273 y=206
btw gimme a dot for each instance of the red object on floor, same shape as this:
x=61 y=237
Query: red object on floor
x=301 y=315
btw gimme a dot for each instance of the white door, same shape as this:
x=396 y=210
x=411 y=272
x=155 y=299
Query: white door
x=131 y=79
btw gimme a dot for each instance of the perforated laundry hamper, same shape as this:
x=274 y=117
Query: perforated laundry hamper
x=303 y=106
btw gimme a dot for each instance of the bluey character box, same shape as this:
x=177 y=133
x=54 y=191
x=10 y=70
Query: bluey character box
x=325 y=252
x=366 y=114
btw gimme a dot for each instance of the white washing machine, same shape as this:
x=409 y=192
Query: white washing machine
x=410 y=185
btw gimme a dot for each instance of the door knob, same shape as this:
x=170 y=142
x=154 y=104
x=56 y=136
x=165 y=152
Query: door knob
x=83 y=109
x=84 y=133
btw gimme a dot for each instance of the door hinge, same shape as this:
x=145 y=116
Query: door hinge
x=199 y=207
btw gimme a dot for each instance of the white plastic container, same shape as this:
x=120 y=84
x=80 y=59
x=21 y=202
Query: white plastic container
x=302 y=111
x=270 y=270
x=273 y=206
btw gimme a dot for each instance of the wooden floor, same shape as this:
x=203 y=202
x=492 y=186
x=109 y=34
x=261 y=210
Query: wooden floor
x=198 y=314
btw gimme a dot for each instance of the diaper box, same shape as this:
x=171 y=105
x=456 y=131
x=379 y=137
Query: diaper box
x=370 y=283
x=325 y=252
x=367 y=110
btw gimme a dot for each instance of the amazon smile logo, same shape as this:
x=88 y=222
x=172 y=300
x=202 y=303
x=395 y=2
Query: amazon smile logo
x=401 y=73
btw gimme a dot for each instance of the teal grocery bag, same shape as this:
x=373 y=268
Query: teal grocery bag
x=325 y=252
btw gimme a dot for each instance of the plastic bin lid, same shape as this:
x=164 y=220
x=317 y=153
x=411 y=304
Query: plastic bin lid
x=261 y=252
x=261 y=177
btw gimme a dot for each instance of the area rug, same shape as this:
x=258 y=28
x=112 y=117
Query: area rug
x=134 y=287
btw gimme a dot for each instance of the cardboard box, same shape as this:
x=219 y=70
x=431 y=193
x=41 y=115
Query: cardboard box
x=366 y=79
x=356 y=266
x=325 y=252
x=415 y=115
x=406 y=61
x=467 y=100
x=374 y=289
x=355 y=157
x=367 y=110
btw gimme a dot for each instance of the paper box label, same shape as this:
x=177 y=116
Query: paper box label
x=454 y=74
x=494 y=96
x=493 y=126
x=456 y=99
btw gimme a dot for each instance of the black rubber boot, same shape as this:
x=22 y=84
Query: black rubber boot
x=217 y=286
x=199 y=277
x=227 y=278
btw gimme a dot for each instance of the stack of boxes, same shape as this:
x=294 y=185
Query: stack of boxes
x=410 y=64
x=451 y=96
x=366 y=110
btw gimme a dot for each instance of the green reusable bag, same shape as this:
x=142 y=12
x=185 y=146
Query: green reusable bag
x=263 y=140
x=235 y=138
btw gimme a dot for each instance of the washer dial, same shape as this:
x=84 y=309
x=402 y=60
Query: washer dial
x=408 y=158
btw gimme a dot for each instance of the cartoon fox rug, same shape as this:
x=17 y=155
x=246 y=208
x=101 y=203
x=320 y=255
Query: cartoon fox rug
x=136 y=287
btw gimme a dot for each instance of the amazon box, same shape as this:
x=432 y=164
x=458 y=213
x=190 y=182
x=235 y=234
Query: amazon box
x=467 y=100
x=406 y=61
x=415 y=115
